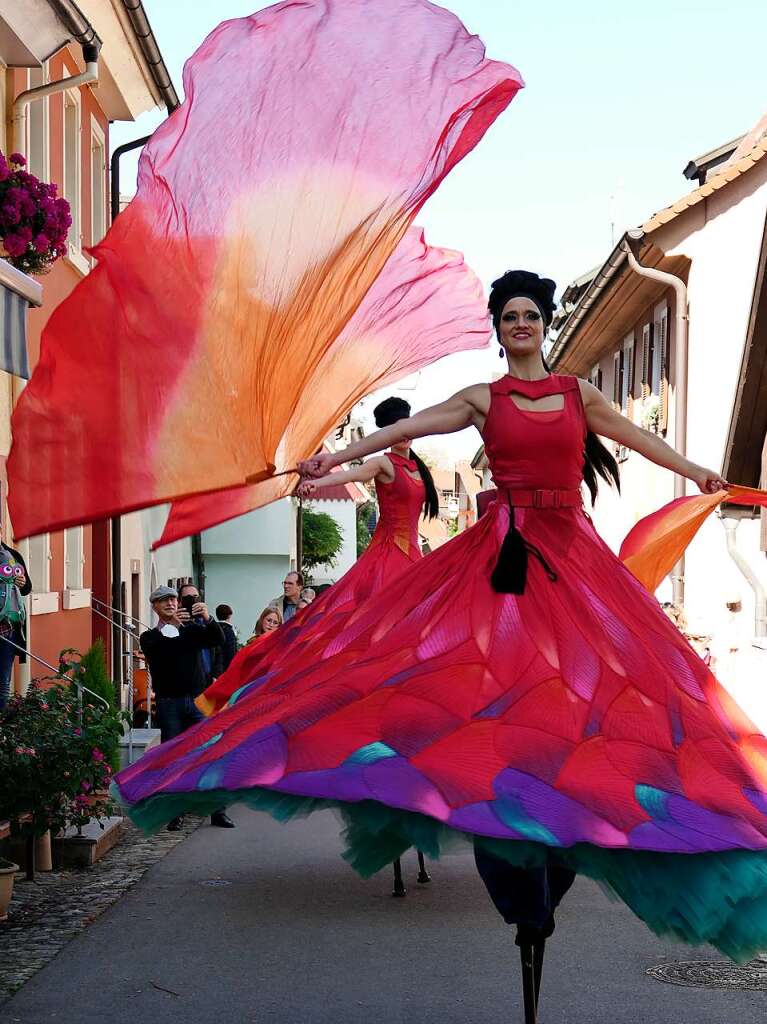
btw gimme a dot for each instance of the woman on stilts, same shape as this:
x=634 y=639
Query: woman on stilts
x=518 y=688
x=405 y=491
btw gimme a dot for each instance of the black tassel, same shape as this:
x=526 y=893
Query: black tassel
x=510 y=573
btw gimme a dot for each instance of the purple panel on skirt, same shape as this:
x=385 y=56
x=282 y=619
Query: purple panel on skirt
x=480 y=819
x=396 y=782
x=711 y=831
x=347 y=782
x=758 y=799
x=257 y=761
x=652 y=836
x=569 y=821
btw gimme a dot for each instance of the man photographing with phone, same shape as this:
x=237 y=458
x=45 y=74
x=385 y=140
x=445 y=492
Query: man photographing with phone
x=173 y=650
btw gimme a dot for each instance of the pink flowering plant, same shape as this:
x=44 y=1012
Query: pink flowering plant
x=52 y=761
x=34 y=220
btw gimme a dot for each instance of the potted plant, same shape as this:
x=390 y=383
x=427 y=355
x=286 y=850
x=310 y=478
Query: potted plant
x=53 y=765
x=7 y=874
x=651 y=413
x=34 y=220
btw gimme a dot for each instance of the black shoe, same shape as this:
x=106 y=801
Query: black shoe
x=220 y=819
x=175 y=824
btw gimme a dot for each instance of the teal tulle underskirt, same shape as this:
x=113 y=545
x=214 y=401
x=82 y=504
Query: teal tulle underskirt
x=702 y=898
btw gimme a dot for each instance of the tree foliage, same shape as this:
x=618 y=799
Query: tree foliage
x=322 y=539
x=364 y=518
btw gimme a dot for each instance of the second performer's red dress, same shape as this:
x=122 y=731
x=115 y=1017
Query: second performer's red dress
x=393 y=547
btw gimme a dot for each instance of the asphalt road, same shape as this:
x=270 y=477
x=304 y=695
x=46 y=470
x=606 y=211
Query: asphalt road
x=267 y=924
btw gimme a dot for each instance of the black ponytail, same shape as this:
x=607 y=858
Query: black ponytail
x=431 y=504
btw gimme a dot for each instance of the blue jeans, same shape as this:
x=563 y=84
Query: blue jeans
x=176 y=715
x=7 y=657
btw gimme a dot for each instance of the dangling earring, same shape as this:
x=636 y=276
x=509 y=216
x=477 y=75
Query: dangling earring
x=501 y=351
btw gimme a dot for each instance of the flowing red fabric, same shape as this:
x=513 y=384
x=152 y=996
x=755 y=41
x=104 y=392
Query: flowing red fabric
x=653 y=547
x=425 y=304
x=267 y=205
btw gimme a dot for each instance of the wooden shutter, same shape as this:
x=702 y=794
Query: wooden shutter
x=662 y=350
x=629 y=371
x=645 y=382
x=598 y=382
x=617 y=380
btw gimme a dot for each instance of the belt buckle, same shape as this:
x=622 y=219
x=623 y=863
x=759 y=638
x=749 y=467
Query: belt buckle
x=546 y=499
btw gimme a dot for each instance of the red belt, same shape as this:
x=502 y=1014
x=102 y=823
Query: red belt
x=543 y=498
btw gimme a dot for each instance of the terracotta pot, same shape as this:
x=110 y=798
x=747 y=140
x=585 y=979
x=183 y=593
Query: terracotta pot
x=43 y=860
x=7 y=874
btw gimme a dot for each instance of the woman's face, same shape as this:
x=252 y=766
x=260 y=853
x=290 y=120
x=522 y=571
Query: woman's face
x=521 y=327
x=270 y=623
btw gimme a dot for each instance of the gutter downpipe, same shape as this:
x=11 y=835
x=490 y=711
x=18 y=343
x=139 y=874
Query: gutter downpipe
x=22 y=101
x=680 y=383
x=731 y=524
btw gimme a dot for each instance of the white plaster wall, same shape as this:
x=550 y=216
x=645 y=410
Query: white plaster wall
x=140 y=530
x=344 y=513
x=267 y=531
x=245 y=582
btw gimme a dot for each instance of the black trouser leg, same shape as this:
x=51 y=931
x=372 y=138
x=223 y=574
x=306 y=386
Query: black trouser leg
x=423 y=874
x=399 y=886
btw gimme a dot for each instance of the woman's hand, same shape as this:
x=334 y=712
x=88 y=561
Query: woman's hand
x=318 y=465
x=707 y=481
x=306 y=489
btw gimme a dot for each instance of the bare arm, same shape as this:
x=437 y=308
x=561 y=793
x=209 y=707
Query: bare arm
x=465 y=409
x=604 y=420
x=367 y=471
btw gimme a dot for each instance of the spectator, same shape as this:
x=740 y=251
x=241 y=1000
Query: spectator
x=269 y=620
x=308 y=594
x=172 y=650
x=188 y=593
x=287 y=605
x=222 y=656
x=14 y=585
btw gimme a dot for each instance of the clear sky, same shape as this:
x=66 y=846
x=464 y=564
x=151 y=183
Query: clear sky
x=619 y=96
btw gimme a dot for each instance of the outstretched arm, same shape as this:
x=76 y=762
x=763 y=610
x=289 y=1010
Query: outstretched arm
x=379 y=466
x=604 y=420
x=464 y=409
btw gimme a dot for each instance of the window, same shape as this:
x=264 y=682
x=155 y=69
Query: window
x=73 y=558
x=627 y=380
x=39 y=563
x=662 y=354
x=71 y=190
x=647 y=360
x=98 y=184
x=619 y=360
x=37 y=126
x=595 y=377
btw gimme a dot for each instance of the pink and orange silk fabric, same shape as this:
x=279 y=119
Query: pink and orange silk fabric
x=267 y=205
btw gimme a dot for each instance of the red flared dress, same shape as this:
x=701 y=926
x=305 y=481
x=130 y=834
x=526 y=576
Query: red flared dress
x=570 y=722
x=393 y=548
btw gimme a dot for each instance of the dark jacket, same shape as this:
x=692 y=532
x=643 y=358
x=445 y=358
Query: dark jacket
x=174 y=661
x=222 y=656
x=19 y=635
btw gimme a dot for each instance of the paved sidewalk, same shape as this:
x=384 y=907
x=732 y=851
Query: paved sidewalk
x=266 y=923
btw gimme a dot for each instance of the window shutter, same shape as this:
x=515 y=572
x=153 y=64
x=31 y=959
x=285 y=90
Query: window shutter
x=617 y=380
x=598 y=382
x=630 y=381
x=645 y=382
x=663 y=353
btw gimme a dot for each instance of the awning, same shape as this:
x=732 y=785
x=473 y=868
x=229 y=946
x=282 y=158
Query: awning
x=17 y=293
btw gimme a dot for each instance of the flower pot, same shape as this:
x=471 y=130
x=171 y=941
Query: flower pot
x=43 y=860
x=7 y=874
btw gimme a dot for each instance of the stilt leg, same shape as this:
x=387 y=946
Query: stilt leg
x=528 y=982
x=399 y=886
x=539 y=950
x=423 y=874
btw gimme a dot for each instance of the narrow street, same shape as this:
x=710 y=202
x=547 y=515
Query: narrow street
x=267 y=923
